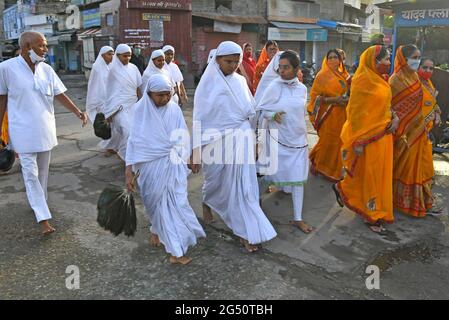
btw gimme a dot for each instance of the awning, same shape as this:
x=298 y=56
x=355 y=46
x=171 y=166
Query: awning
x=89 y=33
x=296 y=26
x=56 y=39
x=232 y=18
x=341 y=27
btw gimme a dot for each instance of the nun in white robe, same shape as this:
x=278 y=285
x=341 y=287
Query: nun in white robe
x=122 y=87
x=161 y=161
x=175 y=72
x=152 y=69
x=96 y=92
x=291 y=171
x=230 y=187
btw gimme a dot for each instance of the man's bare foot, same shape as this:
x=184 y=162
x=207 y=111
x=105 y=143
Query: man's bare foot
x=207 y=214
x=301 y=225
x=154 y=240
x=46 y=227
x=249 y=247
x=109 y=153
x=183 y=260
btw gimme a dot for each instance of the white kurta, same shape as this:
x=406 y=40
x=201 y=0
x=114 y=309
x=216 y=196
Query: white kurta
x=291 y=141
x=231 y=190
x=122 y=84
x=31 y=117
x=163 y=174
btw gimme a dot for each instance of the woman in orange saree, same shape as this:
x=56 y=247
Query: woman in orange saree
x=4 y=134
x=268 y=52
x=248 y=66
x=432 y=117
x=327 y=112
x=367 y=148
x=411 y=188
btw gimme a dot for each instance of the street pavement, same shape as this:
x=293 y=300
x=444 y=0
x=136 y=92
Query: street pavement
x=331 y=263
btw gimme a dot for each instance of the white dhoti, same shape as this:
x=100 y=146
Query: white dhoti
x=35 y=167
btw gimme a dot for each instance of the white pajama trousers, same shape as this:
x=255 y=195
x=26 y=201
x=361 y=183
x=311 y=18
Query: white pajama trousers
x=298 y=201
x=35 y=167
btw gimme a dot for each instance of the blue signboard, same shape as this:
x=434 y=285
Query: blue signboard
x=416 y=16
x=316 y=35
x=91 y=18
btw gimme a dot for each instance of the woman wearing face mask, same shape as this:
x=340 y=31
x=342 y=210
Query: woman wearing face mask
x=327 y=112
x=367 y=140
x=412 y=191
x=432 y=117
x=268 y=52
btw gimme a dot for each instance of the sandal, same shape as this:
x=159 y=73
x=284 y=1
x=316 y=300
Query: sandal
x=338 y=196
x=435 y=212
x=377 y=228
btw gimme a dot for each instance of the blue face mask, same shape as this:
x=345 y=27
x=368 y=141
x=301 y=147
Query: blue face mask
x=414 y=64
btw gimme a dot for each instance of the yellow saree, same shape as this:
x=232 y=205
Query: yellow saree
x=367 y=186
x=328 y=120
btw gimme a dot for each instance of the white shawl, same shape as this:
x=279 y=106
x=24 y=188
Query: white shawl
x=96 y=88
x=122 y=84
x=150 y=136
x=221 y=102
x=270 y=74
x=152 y=69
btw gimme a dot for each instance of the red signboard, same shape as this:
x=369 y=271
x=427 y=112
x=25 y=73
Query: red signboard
x=185 y=5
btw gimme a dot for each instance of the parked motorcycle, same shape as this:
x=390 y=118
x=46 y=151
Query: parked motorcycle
x=308 y=73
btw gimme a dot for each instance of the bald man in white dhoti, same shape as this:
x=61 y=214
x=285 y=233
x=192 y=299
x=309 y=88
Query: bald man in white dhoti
x=122 y=92
x=224 y=106
x=161 y=161
x=28 y=87
x=96 y=91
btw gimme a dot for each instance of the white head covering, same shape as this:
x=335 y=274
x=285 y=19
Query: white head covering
x=96 y=89
x=129 y=78
x=167 y=48
x=150 y=132
x=104 y=50
x=270 y=74
x=211 y=55
x=221 y=102
x=152 y=69
x=157 y=53
x=123 y=48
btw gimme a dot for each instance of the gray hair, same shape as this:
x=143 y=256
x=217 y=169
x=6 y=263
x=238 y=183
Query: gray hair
x=28 y=37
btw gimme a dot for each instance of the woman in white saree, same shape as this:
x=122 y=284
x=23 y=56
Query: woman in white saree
x=162 y=162
x=223 y=104
x=122 y=92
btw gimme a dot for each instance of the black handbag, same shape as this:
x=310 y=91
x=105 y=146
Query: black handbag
x=102 y=128
x=7 y=159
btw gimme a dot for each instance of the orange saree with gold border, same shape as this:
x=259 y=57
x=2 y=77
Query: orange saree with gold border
x=4 y=133
x=367 y=187
x=412 y=193
x=328 y=120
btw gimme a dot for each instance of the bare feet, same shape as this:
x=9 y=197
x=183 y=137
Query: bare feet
x=183 y=260
x=208 y=218
x=46 y=227
x=249 y=247
x=154 y=240
x=301 y=225
x=109 y=153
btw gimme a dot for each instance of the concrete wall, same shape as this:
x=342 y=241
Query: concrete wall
x=238 y=7
x=331 y=9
